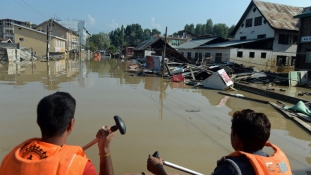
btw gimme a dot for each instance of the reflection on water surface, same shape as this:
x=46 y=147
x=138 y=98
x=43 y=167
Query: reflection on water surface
x=153 y=109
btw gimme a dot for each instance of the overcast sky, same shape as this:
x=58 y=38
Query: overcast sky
x=107 y=15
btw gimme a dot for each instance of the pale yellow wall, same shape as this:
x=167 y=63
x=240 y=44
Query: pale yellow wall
x=60 y=31
x=35 y=40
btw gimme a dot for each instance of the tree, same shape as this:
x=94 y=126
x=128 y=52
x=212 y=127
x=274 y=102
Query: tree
x=155 y=32
x=112 y=49
x=221 y=30
x=199 y=29
x=209 y=27
x=191 y=28
x=100 y=40
x=92 y=46
x=121 y=38
x=230 y=30
x=187 y=27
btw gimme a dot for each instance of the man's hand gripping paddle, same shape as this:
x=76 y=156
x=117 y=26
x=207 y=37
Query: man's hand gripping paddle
x=120 y=125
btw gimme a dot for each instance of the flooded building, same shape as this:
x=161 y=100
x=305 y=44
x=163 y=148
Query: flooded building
x=194 y=52
x=79 y=26
x=7 y=27
x=71 y=36
x=265 y=37
x=304 y=45
x=35 y=39
x=275 y=23
x=156 y=46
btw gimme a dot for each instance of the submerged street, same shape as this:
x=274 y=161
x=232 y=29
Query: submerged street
x=189 y=126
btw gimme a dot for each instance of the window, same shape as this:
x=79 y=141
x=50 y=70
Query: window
x=261 y=36
x=249 y=22
x=240 y=54
x=293 y=61
x=308 y=56
x=243 y=38
x=263 y=54
x=284 y=39
x=254 y=9
x=218 y=57
x=281 y=60
x=207 y=55
x=188 y=55
x=200 y=55
x=295 y=39
x=196 y=55
x=258 y=21
x=252 y=54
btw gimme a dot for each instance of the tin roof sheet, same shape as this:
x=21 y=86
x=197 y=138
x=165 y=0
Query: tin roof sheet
x=195 y=43
x=231 y=43
x=279 y=16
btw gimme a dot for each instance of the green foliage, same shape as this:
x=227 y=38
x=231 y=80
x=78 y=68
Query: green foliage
x=93 y=48
x=230 y=30
x=101 y=40
x=131 y=35
x=220 y=29
x=112 y=49
x=209 y=27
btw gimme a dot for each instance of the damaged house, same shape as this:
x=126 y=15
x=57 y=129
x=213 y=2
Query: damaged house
x=265 y=37
x=156 y=46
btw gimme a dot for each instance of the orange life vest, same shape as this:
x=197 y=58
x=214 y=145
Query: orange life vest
x=67 y=160
x=275 y=164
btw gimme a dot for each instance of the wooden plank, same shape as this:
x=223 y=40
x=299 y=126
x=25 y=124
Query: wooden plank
x=245 y=98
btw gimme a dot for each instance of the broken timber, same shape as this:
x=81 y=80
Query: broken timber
x=246 y=98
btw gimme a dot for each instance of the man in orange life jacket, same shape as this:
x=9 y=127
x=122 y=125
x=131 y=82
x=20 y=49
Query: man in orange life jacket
x=250 y=132
x=49 y=155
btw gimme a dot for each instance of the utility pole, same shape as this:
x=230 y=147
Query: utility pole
x=164 y=53
x=48 y=38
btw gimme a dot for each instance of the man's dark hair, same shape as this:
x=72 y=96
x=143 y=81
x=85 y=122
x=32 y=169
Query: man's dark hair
x=54 y=113
x=252 y=128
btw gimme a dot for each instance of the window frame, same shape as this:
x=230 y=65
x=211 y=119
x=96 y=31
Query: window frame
x=239 y=54
x=249 y=22
x=258 y=21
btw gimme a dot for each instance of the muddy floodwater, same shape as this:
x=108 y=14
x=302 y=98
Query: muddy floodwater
x=153 y=109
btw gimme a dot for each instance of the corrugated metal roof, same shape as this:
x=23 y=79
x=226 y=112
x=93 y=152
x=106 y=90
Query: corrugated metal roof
x=305 y=13
x=232 y=43
x=279 y=16
x=143 y=45
x=195 y=43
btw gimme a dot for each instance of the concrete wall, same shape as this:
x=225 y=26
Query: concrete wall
x=289 y=48
x=58 y=30
x=36 y=40
x=254 y=31
x=268 y=63
x=225 y=53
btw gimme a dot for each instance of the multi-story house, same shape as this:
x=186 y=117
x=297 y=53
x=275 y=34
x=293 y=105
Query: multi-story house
x=265 y=37
x=35 y=39
x=303 y=61
x=7 y=28
x=56 y=29
x=79 y=26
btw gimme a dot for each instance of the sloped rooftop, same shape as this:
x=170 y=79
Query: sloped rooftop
x=279 y=16
x=195 y=43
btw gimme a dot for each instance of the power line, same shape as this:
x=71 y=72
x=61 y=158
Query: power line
x=31 y=8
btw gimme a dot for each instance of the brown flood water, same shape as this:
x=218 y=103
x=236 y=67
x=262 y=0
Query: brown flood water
x=153 y=109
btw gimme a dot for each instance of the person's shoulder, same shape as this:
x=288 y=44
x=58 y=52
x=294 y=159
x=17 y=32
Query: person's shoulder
x=233 y=166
